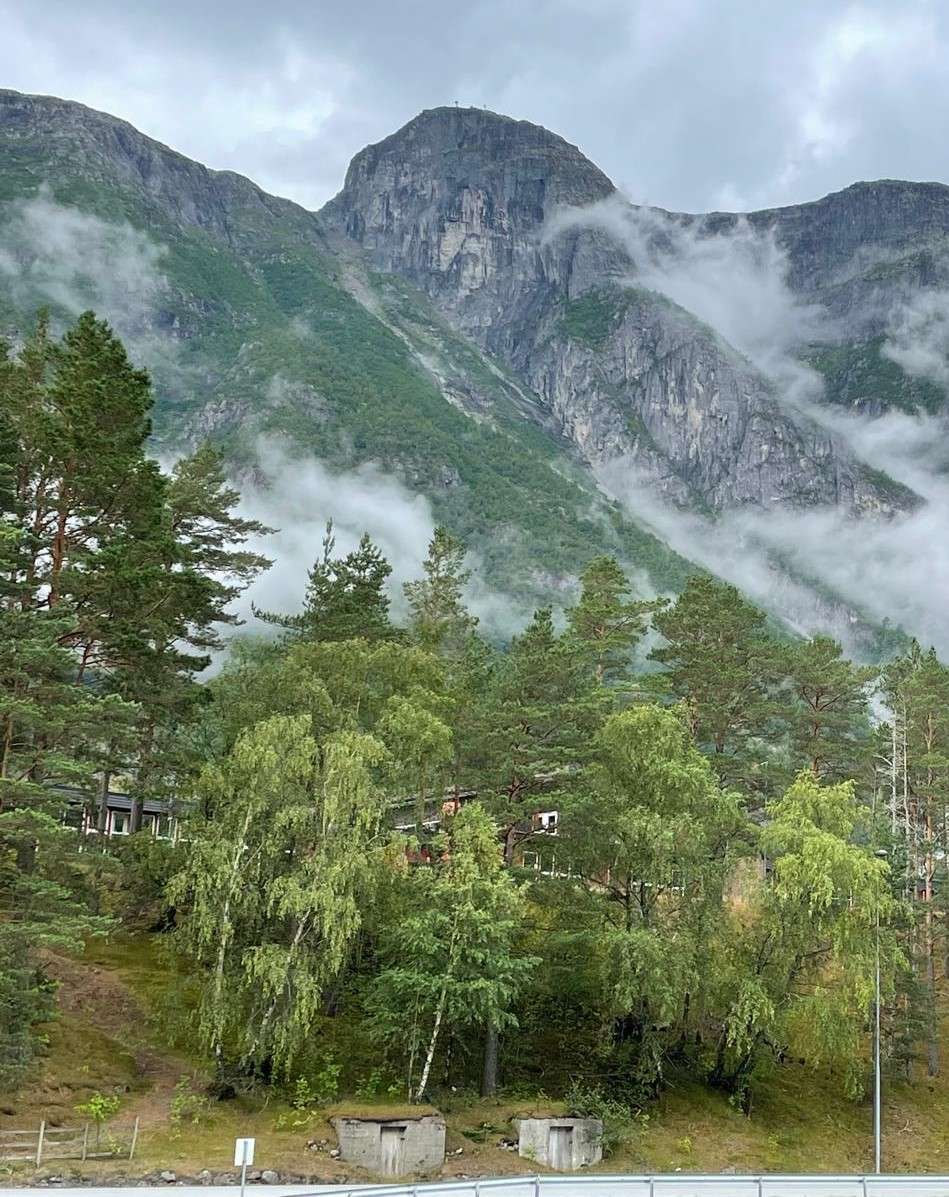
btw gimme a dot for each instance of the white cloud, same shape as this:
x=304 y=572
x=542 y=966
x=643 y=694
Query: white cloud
x=297 y=495
x=918 y=336
x=70 y=258
x=734 y=281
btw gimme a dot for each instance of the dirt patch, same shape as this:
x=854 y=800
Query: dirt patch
x=101 y=1041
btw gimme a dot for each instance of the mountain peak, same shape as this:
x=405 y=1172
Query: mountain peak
x=518 y=166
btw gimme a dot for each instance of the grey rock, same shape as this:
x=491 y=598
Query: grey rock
x=167 y=1176
x=269 y=1177
x=460 y=203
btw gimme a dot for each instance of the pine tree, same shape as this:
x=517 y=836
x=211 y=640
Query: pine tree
x=438 y=619
x=606 y=624
x=345 y=596
x=726 y=668
x=830 y=724
x=537 y=719
x=49 y=733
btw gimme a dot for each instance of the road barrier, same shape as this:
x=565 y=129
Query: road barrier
x=669 y=1185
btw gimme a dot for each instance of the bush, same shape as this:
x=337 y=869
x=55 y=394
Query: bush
x=187 y=1105
x=100 y=1107
x=618 y=1118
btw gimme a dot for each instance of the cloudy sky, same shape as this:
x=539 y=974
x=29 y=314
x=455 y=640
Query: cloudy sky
x=689 y=104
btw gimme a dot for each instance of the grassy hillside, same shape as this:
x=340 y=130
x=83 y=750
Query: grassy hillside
x=113 y=1035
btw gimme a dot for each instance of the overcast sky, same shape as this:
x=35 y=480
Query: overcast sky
x=689 y=104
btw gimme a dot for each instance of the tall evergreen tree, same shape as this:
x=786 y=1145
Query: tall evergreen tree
x=50 y=729
x=538 y=717
x=438 y=618
x=345 y=596
x=606 y=623
x=829 y=719
x=722 y=663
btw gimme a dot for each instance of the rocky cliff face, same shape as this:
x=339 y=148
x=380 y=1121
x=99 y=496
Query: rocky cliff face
x=460 y=202
x=435 y=319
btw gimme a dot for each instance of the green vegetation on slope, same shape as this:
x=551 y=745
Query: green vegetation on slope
x=859 y=377
x=415 y=864
x=257 y=327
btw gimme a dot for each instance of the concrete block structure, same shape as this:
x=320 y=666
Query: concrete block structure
x=563 y=1144
x=392 y=1146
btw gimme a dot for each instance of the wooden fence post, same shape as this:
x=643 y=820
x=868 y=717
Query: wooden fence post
x=85 y=1139
x=39 y=1143
x=134 y=1137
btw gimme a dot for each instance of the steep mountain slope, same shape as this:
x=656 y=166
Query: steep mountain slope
x=874 y=257
x=252 y=326
x=460 y=202
x=441 y=318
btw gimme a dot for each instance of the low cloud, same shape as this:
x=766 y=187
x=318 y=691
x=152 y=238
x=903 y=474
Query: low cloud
x=897 y=569
x=918 y=336
x=735 y=281
x=297 y=495
x=59 y=255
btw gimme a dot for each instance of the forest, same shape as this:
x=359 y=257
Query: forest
x=644 y=839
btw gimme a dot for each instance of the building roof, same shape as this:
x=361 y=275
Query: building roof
x=115 y=800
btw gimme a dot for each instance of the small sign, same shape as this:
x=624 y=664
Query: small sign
x=243 y=1152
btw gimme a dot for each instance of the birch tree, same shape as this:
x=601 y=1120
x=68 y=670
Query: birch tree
x=450 y=960
x=275 y=885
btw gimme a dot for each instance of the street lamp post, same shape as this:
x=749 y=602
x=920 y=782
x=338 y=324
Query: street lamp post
x=876 y=1059
x=877 y=1103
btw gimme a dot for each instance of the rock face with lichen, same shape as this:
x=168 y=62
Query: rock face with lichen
x=461 y=203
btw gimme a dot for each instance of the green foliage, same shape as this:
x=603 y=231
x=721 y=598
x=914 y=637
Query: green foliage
x=437 y=615
x=593 y=317
x=605 y=624
x=450 y=962
x=315 y=918
x=858 y=376
x=111 y=574
x=319 y=1089
x=345 y=597
x=619 y=1120
x=187 y=1105
x=799 y=960
x=376 y=1084
x=654 y=836
x=99 y=1107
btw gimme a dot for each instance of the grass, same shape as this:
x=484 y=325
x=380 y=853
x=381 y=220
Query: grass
x=109 y=1039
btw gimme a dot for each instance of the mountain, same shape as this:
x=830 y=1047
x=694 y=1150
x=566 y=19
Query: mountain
x=457 y=203
x=469 y=314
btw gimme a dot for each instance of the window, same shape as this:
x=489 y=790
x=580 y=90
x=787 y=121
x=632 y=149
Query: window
x=120 y=823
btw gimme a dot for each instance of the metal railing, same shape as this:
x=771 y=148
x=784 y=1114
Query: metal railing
x=667 y=1185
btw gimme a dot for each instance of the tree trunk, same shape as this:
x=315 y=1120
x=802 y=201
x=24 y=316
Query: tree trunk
x=102 y=815
x=26 y=856
x=430 y=1054
x=489 y=1072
